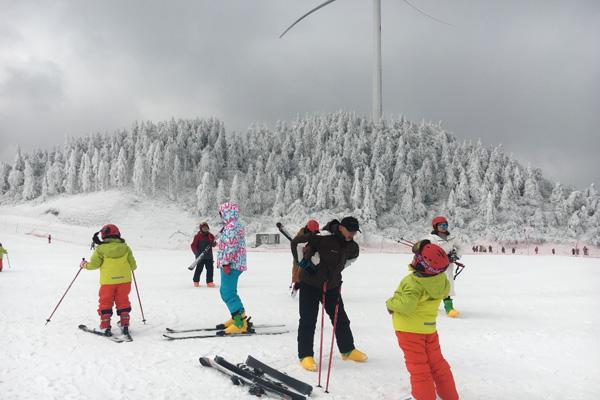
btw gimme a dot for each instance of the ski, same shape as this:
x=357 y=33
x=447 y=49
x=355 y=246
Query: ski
x=284 y=231
x=262 y=368
x=247 y=373
x=221 y=327
x=111 y=337
x=222 y=334
x=255 y=388
x=197 y=260
x=201 y=256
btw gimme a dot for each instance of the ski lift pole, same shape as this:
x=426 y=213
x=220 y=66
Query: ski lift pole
x=138 y=296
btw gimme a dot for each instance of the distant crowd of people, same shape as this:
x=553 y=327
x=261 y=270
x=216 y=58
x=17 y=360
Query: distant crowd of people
x=489 y=249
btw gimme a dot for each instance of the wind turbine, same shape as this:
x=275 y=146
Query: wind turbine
x=377 y=85
x=377 y=100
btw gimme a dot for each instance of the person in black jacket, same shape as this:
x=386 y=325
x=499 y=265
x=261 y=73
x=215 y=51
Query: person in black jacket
x=204 y=240
x=324 y=259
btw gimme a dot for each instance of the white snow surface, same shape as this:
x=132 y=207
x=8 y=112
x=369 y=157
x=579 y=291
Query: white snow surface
x=529 y=326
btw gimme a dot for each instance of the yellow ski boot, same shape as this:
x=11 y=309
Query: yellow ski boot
x=239 y=325
x=308 y=363
x=228 y=323
x=355 y=355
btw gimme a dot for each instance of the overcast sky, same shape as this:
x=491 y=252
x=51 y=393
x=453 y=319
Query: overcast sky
x=522 y=73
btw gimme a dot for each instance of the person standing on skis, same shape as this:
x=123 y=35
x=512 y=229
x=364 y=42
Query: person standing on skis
x=440 y=235
x=204 y=241
x=324 y=259
x=2 y=253
x=304 y=234
x=414 y=308
x=115 y=260
x=231 y=260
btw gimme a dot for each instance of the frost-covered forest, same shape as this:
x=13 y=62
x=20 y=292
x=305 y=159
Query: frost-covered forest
x=392 y=175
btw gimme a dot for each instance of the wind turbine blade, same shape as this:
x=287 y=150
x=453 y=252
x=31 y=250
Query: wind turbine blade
x=425 y=14
x=305 y=15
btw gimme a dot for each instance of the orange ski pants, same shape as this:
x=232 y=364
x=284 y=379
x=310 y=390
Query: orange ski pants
x=429 y=371
x=114 y=294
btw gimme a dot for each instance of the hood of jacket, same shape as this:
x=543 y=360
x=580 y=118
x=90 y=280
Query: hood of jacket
x=436 y=287
x=113 y=248
x=230 y=212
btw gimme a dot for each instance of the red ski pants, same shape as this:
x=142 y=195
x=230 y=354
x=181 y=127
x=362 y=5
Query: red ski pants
x=429 y=371
x=114 y=294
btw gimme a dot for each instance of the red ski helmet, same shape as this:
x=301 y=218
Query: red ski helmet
x=438 y=220
x=312 y=225
x=110 y=230
x=430 y=259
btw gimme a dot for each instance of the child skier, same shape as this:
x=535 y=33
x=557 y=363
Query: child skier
x=304 y=234
x=414 y=308
x=204 y=241
x=441 y=236
x=231 y=260
x=115 y=260
x=2 y=253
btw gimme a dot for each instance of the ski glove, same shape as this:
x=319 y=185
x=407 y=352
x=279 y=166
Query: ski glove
x=308 y=266
x=227 y=269
x=83 y=263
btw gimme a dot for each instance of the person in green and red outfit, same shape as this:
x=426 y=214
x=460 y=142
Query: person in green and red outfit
x=2 y=253
x=414 y=308
x=115 y=260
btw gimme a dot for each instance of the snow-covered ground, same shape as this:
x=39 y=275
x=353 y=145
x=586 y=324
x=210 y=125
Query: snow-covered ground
x=529 y=326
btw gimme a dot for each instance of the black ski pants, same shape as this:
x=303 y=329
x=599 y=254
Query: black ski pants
x=209 y=270
x=309 y=301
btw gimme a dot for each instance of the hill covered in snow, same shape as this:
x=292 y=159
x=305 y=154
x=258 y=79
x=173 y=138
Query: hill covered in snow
x=394 y=176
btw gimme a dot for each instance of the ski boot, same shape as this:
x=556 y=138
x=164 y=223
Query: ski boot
x=449 y=307
x=308 y=363
x=239 y=325
x=228 y=323
x=196 y=284
x=355 y=355
x=105 y=324
x=210 y=284
x=124 y=322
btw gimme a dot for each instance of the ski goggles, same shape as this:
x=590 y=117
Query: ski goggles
x=443 y=225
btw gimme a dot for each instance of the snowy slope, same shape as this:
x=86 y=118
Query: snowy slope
x=529 y=326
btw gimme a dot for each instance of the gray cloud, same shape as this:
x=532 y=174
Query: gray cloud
x=526 y=75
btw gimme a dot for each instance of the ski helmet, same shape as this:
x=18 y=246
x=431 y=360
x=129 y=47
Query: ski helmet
x=312 y=225
x=430 y=259
x=204 y=223
x=438 y=220
x=110 y=230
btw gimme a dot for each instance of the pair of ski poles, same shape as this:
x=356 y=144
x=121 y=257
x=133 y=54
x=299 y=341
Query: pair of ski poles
x=335 y=318
x=459 y=266
x=73 y=281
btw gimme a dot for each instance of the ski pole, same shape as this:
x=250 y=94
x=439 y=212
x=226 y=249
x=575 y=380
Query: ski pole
x=63 y=296
x=138 y=296
x=8 y=259
x=335 y=318
x=322 y=325
x=459 y=269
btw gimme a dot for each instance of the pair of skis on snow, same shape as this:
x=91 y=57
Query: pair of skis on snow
x=124 y=337
x=260 y=378
x=219 y=331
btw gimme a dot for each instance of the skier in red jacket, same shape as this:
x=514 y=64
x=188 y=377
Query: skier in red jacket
x=204 y=241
